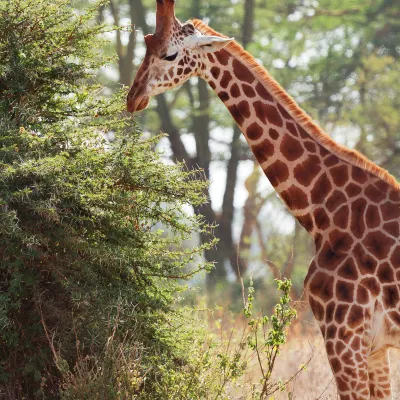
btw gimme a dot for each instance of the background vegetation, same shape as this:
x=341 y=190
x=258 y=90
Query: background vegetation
x=99 y=232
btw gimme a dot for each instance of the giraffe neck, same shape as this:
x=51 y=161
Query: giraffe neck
x=306 y=174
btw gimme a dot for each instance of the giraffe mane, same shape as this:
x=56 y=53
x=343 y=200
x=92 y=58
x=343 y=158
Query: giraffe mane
x=351 y=156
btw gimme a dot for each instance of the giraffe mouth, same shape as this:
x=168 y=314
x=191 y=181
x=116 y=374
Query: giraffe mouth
x=137 y=103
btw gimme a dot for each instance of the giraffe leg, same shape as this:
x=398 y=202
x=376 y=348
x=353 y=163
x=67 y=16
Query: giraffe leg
x=379 y=375
x=347 y=354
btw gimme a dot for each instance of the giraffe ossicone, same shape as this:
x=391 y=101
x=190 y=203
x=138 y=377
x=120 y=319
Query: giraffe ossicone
x=349 y=205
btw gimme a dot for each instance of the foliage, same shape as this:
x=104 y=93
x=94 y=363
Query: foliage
x=267 y=335
x=91 y=230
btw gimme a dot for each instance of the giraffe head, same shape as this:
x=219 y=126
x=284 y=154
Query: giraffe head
x=175 y=52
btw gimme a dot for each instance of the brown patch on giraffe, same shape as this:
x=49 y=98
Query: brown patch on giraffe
x=330 y=309
x=336 y=365
x=342 y=385
x=341 y=242
x=268 y=112
x=263 y=150
x=366 y=263
x=372 y=285
x=395 y=258
x=347 y=358
x=254 y=131
x=321 y=218
x=356 y=343
x=385 y=273
x=372 y=217
x=226 y=79
x=235 y=91
x=349 y=372
x=358 y=174
x=331 y=332
x=378 y=244
x=213 y=85
x=215 y=71
x=223 y=57
x=344 y=291
x=179 y=71
x=353 y=190
x=305 y=172
x=187 y=71
x=341 y=311
x=244 y=108
x=374 y=194
x=395 y=317
x=392 y=228
x=330 y=349
x=260 y=112
x=310 y=146
x=291 y=148
x=295 y=198
x=318 y=240
x=242 y=72
x=345 y=334
x=317 y=309
x=260 y=89
x=340 y=174
x=355 y=317
x=248 y=90
x=306 y=222
x=390 y=211
x=382 y=186
x=331 y=160
x=394 y=196
x=348 y=270
x=331 y=255
x=302 y=132
x=284 y=113
x=238 y=117
x=321 y=189
x=210 y=57
x=357 y=224
x=321 y=286
x=341 y=217
x=362 y=295
x=223 y=96
x=339 y=347
x=277 y=173
x=390 y=296
x=176 y=80
x=336 y=199
x=273 y=133
x=291 y=128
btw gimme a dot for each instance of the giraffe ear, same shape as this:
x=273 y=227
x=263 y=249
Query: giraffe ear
x=211 y=44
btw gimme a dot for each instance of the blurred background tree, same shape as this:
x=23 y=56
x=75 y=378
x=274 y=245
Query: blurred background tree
x=338 y=59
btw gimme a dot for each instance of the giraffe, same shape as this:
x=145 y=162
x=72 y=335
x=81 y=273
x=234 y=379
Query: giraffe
x=349 y=205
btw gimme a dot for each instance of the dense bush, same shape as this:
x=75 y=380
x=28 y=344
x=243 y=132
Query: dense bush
x=91 y=232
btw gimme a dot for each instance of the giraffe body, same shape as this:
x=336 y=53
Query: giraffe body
x=349 y=205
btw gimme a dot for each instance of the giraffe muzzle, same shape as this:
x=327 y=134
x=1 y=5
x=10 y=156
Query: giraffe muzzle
x=137 y=103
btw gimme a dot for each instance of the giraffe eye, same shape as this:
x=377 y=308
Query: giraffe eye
x=171 y=57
